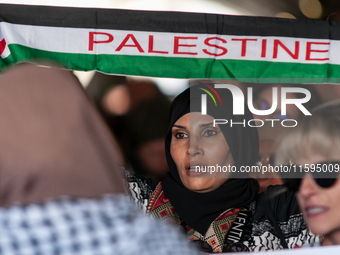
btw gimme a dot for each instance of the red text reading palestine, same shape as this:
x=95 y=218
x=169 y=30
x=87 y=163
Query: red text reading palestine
x=187 y=45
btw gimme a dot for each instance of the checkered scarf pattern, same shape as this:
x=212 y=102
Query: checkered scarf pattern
x=109 y=225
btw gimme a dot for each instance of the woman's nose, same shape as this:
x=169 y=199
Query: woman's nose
x=308 y=186
x=194 y=147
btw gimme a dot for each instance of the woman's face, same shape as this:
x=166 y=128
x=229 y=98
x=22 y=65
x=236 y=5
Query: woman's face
x=196 y=142
x=320 y=206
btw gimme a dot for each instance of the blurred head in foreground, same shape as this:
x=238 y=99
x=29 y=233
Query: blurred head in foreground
x=314 y=147
x=61 y=190
x=52 y=141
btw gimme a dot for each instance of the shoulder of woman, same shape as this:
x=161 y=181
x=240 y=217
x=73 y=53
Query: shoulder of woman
x=139 y=180
x=280 y=201
x=139 y=188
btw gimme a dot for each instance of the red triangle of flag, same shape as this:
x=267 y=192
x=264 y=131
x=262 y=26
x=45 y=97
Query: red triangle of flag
x=2 y=45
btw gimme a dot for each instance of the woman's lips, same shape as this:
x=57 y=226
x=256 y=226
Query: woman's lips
x=315 y=211
x=194 y=169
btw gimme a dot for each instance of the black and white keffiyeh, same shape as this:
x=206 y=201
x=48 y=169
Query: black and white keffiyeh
x=110 y=225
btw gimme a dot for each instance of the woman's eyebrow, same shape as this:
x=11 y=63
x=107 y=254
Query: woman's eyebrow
x=207 y=124
x=179 y=126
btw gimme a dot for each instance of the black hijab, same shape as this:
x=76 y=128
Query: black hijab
x=199 y=210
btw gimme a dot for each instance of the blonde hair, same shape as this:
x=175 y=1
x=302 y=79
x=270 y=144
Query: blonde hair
x=316 y=134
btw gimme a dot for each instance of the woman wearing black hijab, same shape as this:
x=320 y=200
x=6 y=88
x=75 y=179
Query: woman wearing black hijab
x=219 y=211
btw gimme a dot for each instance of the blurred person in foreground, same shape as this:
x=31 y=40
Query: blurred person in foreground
x=61 y=191
x=314 y=147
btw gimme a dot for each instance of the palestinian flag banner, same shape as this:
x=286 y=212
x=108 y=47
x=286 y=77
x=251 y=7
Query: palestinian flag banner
x=172 y=44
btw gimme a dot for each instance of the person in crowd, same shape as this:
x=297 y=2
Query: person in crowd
x=314 y=147
x=263 y=100
x=111 y=97
x=267 y=136
x=146 y=127
x=130 y=107
x=61 y=190
x=115 y=96
x=219 y=212
x=327 y=92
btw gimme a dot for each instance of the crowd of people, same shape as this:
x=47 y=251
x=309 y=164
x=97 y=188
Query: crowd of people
x=83 y=174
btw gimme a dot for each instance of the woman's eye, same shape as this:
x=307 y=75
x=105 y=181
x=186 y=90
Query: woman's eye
x=181 y=135
x=209 y=132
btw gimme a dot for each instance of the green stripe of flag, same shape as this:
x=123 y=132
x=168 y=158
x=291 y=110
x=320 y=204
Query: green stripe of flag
x=243 y=70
